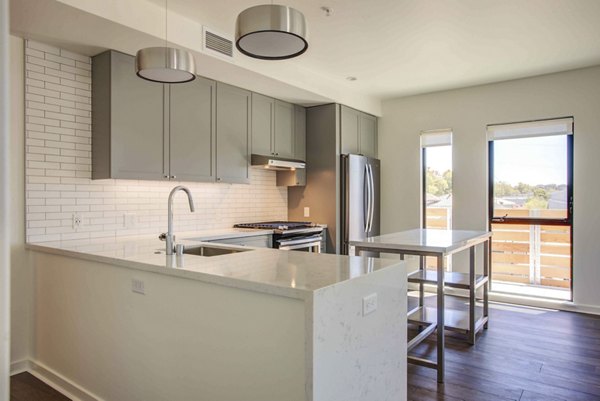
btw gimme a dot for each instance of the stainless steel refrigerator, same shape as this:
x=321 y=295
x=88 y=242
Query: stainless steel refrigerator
x=360 y=198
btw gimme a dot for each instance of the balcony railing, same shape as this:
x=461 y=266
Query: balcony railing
x=525 y=254
x=532 y=254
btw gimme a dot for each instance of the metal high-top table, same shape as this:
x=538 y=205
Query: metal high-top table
x=439 y=244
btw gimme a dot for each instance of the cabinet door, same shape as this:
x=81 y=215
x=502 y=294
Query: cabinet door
x=349 y=130
x=191 y=151
x=233 y=134
x=299 y=133
x=263 y=109
x=136 y=117
x=284 y=129
x=368 y=135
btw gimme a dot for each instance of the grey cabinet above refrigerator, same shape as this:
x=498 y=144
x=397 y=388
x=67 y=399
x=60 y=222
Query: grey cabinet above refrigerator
x=323 y=193
x=358 y=132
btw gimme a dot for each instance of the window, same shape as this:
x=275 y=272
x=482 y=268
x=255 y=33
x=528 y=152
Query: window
x=531 y=206
x=436 y=156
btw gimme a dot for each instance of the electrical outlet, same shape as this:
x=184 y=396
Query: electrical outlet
x=369 y=304
x=76 y=221
x=137 y=286
x=129 y=220
x=306 y=212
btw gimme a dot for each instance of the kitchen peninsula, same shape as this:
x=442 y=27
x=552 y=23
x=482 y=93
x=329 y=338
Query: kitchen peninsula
x=125 y=321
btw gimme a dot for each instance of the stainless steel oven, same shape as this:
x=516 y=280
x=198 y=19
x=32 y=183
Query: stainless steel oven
x=288 y=235
x=287 y=242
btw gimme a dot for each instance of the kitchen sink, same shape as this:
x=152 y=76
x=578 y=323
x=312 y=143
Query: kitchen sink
x=211 y=250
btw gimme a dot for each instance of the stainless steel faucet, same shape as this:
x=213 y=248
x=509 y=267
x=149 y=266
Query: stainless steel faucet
x=170 y=237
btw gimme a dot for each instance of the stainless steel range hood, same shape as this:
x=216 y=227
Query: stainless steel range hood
x=276 y=163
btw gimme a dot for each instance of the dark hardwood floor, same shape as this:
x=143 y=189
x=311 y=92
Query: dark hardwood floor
x=26 y=387
x=527 y=354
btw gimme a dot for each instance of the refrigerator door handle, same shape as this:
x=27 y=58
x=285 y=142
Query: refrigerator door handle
x=368 y=205
x=372 y=198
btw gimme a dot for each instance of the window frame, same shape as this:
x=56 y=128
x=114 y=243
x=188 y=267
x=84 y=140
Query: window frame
x=568 y=221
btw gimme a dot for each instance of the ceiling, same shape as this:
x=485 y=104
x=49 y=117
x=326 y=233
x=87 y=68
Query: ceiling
x=403 y=47
x=393 y=47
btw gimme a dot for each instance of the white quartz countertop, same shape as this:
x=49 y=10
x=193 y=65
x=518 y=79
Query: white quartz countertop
x=424 y=240
x=287 y=273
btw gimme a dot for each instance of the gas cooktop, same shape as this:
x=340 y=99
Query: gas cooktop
x=277 y=225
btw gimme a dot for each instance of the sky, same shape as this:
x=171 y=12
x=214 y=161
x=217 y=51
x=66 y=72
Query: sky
x=533 y=161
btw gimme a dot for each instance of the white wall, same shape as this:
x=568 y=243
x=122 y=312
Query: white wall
x=58 y=173
x=468 y=111
x=4 y=196
x=21 y=269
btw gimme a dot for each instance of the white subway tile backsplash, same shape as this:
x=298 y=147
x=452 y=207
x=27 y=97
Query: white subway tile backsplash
x=34 y=53
x=42 y=92
x=43 y=48
x=58 y=172
x=35 y=83
x=35 y=67
x=63 y=61
x=75 y=56
x=60 y=102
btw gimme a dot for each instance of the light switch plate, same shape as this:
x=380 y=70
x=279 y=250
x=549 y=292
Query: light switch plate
x=76 y=221
x=369 y=304
x=306 y=212
x=137 y=286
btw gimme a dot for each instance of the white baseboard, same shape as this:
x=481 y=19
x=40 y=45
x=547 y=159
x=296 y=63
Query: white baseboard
x=531 y=301
x=19 y=367
x=54 y=379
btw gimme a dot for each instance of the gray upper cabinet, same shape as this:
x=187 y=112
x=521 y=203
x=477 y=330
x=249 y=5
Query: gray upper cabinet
x=358 y=132
x=349 y=130
x=149 y=131
x=263 y=117
x=233 y=134
x=192 y=131
x=284 y=129
x=273 y=127
x=201 y=131
x=299 y=132
x=127 y=121
x=368 y=135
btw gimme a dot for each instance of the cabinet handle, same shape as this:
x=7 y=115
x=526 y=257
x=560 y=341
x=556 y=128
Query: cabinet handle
x=173 y=177
x=165 y=176
x=218 y=179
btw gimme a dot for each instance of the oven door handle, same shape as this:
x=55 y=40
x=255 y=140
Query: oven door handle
x=299 y=241
x=309 y=245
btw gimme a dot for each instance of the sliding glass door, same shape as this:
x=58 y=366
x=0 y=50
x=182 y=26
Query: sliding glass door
x=531 y=207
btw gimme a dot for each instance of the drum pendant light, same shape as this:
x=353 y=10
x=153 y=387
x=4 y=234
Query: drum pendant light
x=271 y=32
x=165 y=64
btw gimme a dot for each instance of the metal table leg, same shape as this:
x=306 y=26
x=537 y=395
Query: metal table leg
x=440 y=319
x=486 y=272
x=421 y=285
x=472 y=300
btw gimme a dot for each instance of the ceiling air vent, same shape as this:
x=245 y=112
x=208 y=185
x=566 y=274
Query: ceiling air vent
x=217 y=44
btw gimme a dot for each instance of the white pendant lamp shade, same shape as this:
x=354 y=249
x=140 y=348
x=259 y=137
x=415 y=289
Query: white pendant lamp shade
x=165 y=64
x=271 y=32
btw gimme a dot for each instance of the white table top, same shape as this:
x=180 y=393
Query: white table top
x=424 y=240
